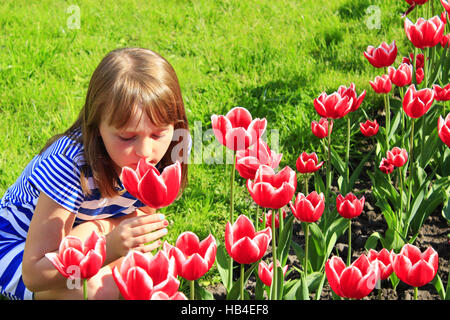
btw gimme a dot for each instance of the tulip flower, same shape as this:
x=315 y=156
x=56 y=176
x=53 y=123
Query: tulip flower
x=401 y=76
x=270 y=190
x=397 y=156
x=386 y=166
x=369 y=128
x=161 y=295
x=308 y=208
x=425 y=33
x=333 y=106
x=418 y=2
x=243 y=243
x=265 y=272
x=269 y=216
x=420 y=75
x=149 y=186
x=441 y=94
x=320 y=129
x=444 y=129
x=384 y=261
x=308 y=163
x=420 y=60
x=445 y=41
x=349 y=206
x=382 y=56
x=249 y=160
x=237 y=130
x=351 y=93
x=381 y=84
x=140 y=277
x=416 y=103
x=87 y=257
x=355 y=281
x=414 y=267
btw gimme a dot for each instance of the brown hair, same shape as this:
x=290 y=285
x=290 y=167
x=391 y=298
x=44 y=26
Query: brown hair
x=125 y=80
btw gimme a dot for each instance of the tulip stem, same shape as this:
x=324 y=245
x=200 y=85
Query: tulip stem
x=273 y=289
x=306 y=247
x=400 y=216
x=192 y=286
x=347 y=156
x=242 y=282
x=349 y=256
x=230 y=265
x=415 y=293
x=85 y=289
x=328 y=173
x=388 y=116
x=411 y=168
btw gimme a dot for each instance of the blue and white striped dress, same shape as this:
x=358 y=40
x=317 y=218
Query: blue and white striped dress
x=56 y=172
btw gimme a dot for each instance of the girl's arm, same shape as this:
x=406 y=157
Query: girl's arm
x=49 y=225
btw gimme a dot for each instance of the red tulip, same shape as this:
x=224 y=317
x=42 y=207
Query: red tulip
x=308 y=163
x=397 y=156
x=333 y=106
x=243 y=244
x=416 y=103
x=386 y=166
x=350 y=206
x=351 y=93
x=320 y=129
x=140 y=276
x=445 y=41
x=420 y=75
x=149 y=186
x=384 y=261
x=420 y=60
x=88 y=257
x=425 y=33
x=382 y=56
x=381 y=84
x=309 y=208
x=369 y=128
x=192 y=257
x=355 y=281
x=249 y=160
x=277 y=218
x=402 y=76
x=265 y=272
x=441 y=94
x=237 y=130
x=446 y=5
x=444 y=129
x=414 y=267
x=161 y=295
x=270 y=190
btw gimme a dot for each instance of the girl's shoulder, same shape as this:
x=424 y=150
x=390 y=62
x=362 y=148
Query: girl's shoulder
x=68 y=147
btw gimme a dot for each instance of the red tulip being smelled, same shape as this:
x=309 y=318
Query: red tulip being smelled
x=237 y=130
x=76 y=258
x=320 y=129
x=369 y=128
x=443 y=128
x=382 y=56
x=149 y=186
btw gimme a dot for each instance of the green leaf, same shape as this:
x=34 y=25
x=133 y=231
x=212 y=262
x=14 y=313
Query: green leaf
x=234 y=293
x=372 y=241
x=437 y=282
x=303 y=290
x=285 y=240
x=202 y=292
x=223 y=261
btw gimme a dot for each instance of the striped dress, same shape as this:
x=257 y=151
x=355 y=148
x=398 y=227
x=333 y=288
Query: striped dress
x=55 y=172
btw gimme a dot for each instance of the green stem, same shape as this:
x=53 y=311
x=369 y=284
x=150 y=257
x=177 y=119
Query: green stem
x=349 y=257
x=347 y=156
x=400 y=215
x=85 y=289
x=273 y=288
x=415 y=293
x=257 y=219
x=306 y=247
x=192 y=286
x=328 y=173
x=230 y=262
x=410 y=163
x=242 y=282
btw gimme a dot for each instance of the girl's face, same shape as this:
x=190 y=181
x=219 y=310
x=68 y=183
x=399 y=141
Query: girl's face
x=139 y=138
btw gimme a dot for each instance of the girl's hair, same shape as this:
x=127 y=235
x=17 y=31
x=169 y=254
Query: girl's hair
x=126 y=80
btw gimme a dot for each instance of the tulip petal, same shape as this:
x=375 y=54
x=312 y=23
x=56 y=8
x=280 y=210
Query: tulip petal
x=245 y=251
x=152 y=189
x=130 y=181
x=349 y=280
x=120 y=283
x=139 y=284
x=170 y=285
x=54 y=259
x=91 y=264
x=333 y=270
x=188 y=243
x=194 y=268
x=172 y=180
x=420 y=274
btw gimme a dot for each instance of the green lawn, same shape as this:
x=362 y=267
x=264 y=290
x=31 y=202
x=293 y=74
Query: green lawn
x=271 y=57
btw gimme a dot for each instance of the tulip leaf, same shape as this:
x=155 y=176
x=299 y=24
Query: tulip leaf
x=303 y=290
x=437 y=282
x=372 y=241
x=285 y=240
x=338 y=163
x=202 y=292
x=223 y=261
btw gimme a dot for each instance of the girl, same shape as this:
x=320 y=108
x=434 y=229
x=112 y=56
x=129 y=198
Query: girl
x=132 y=108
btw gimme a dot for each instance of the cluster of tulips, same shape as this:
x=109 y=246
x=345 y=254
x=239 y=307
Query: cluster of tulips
x=247 y=241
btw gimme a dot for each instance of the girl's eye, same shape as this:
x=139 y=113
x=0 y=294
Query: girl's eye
x=127 y=138
x=157 y=136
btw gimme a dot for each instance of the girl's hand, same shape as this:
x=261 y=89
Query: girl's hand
x=141 y=233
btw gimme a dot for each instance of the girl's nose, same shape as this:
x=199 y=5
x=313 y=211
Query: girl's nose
x=144 y=149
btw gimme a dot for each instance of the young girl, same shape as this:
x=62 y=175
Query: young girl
x=132 y=108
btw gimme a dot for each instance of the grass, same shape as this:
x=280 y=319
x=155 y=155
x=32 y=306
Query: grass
x=271 y=57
